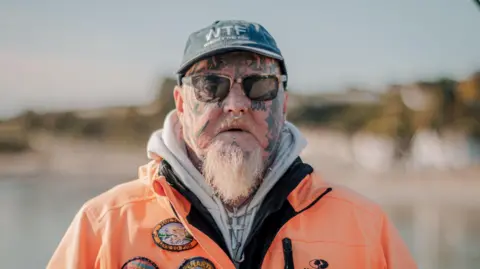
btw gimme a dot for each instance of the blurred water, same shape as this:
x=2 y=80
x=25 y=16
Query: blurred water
x=37 y=210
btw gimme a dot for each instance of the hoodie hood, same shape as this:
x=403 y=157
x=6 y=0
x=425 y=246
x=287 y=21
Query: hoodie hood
x=169 y=145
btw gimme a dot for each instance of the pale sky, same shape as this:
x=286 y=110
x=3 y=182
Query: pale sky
x=61 y=54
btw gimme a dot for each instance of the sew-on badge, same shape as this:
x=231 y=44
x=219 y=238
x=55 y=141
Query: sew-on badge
x=171 y=235
x=139 y=263
x=197 y=263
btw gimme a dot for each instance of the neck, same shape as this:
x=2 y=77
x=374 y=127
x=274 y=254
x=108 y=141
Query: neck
x=196 y=161
x=238 y=203
x=272 y=154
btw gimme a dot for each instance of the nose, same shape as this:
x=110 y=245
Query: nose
x=236 y=101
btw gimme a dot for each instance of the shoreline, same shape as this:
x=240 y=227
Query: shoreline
x=67 y=159
x=73 y=156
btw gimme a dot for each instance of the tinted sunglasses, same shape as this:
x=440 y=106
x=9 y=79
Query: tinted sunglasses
x=215 y=87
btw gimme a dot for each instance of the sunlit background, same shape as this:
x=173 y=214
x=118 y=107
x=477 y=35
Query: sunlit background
x=387 y=93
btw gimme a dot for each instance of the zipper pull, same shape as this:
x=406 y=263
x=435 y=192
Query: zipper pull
x=287 y=253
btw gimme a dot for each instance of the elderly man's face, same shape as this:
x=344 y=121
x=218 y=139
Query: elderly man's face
x=205 y=122
x=237 y=126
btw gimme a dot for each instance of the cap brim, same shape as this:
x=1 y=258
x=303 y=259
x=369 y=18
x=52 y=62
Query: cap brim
x=183 y=68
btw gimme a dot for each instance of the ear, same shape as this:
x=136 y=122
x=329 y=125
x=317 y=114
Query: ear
x=178 y=98
x=285 y=103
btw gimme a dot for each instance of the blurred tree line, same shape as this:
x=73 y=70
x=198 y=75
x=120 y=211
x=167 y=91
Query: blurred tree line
x=398 y=112
x=401 y=111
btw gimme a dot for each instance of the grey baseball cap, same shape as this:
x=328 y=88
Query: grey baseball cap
x=229 y=35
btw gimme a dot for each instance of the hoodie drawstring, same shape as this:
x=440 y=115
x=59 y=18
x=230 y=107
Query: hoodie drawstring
x=287 y=253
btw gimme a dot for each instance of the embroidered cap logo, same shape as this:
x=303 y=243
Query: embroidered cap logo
x=226 y=30
x=232 y=32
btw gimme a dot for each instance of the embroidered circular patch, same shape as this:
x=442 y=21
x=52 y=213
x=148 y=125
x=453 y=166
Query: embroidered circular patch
x=197 y=263
x=171 y=235
x=139 y=263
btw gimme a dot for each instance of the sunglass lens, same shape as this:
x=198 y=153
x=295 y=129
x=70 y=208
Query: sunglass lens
x=261 y=88
x=211 y=88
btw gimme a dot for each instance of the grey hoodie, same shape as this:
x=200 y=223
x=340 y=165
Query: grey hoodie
x=167 y=143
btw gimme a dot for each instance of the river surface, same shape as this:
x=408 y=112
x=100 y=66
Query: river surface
x=35 y=214
x=36 y=211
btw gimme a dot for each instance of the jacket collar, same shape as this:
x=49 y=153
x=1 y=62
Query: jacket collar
x=305 y=193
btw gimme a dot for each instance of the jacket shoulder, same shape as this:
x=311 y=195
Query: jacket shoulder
x=359 y=218
x=344 y=204
x=340 y=196
x=129 y=194
x=345 y=195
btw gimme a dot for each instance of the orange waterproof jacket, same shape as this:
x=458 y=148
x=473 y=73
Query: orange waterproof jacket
x=304 y=222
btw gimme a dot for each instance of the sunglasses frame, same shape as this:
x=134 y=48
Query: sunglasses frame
x=281 y=79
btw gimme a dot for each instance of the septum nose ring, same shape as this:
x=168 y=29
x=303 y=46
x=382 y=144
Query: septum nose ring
x=238 y=116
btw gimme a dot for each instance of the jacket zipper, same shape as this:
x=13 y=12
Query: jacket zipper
x=287 y=242
x=287 y=253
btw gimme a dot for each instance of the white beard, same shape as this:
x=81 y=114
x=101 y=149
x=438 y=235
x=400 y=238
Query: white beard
x=232 y=173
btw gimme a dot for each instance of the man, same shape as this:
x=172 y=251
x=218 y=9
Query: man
x=225 y=187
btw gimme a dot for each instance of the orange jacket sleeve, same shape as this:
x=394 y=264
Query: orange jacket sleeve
x=78 y=249
x=395 y=251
